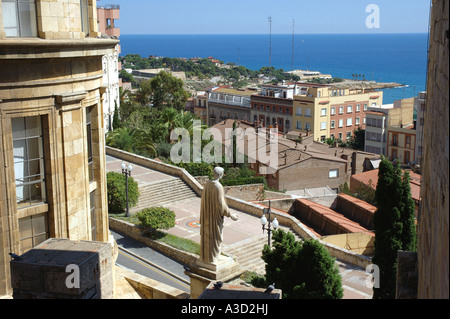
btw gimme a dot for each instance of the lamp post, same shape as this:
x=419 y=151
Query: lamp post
x=271 y=224
x=126 y=170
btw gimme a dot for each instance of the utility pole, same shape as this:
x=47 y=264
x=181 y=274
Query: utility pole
x=270 y=42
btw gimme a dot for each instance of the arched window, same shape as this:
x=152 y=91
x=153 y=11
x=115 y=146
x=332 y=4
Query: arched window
x=19 y=18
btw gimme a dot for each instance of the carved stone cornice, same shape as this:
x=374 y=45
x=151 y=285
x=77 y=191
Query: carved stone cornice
x=70 y=101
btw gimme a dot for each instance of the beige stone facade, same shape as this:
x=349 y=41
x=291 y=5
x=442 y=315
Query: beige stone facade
x=330 y=112
x=432 y=248
x=53 y=182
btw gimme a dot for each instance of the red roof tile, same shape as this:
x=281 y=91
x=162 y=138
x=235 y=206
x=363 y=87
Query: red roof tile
x=415 y=181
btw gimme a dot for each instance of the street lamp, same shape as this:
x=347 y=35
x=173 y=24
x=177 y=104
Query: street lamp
x=271 y=224
x=126 y=170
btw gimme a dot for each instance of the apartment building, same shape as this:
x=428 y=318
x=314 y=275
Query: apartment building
x=201 y=106
x=107 y=17
x=272 y=107
x=51 y=126
x=227 y=103
x=376 y=128
x=330 y=112
x=401 y=144
x=380 y=118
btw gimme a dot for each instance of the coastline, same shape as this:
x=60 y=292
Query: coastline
x=372 y=85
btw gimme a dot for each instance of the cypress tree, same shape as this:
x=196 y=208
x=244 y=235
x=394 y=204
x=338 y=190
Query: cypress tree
x=407 y=216
x=116 y=120
x=388 y=227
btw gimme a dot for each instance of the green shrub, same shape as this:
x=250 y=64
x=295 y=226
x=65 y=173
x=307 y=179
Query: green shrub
x=117 y=197
x=196 y=169
x=243 y=181
x=155 y=218
x=163 y=149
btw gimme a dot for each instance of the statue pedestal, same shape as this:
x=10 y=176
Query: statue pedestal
x=225 y=269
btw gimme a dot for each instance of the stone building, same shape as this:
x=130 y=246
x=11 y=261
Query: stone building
x=227 y=103
x=432 y=248
x=379 y=119
x=107 y=16
x=52 y=175
x=330 y=112
x=272 y=107
x=401 y=144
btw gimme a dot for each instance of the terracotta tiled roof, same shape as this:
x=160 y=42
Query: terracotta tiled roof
x=358 y=202
x=334 y=217
x=365 y=177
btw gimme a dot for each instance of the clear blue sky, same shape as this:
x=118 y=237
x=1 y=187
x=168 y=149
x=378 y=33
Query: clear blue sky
x=251 y=16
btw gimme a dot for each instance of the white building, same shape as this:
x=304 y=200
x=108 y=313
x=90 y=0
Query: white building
x=111 y=86
x=376 y=129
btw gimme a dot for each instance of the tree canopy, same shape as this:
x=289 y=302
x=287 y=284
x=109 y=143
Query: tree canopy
x=301 y=269
x=204 y=68
x=394 y=224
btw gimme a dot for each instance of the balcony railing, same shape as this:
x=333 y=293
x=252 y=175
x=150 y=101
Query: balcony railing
x=109 y=7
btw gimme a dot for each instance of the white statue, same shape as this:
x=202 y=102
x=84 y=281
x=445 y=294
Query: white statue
x=212 y=212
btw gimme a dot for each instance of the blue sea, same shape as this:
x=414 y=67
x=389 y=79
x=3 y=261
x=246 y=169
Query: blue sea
x=400 y=58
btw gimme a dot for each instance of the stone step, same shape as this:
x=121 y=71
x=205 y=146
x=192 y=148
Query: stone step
x=152 y=196
x=248 y=253
x=163 y=192
x=160 y=202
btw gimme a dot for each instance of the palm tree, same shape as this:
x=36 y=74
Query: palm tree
x=170 y=119
x=133 y=141
x=143 y=143
x=120 y=138
x=124 y=94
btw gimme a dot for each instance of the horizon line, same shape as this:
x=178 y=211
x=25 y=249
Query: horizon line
x=290 y=34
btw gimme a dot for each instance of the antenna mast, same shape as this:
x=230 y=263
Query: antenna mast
x=270 y=42
x=293 y=32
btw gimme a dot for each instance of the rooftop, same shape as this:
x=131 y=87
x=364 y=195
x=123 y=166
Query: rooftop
x=333 y=217
x=288 y=152
x=227 y=90
x=372 y=177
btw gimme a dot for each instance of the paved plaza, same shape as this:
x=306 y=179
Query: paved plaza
x=247 y=226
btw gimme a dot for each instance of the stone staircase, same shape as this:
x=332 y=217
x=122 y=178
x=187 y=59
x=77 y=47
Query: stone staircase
x=249 y=252
x=163 y=192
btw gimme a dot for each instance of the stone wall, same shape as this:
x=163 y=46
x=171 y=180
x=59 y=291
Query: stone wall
x=151 y=289
x=360 y=243
x=249 y=192
x=311 y=173
x=135 y=232
x=433 y=248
